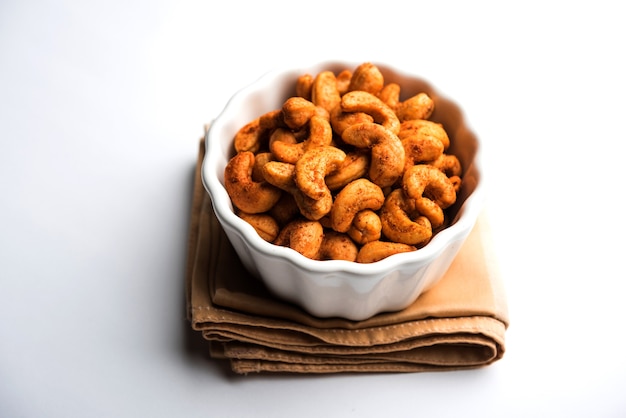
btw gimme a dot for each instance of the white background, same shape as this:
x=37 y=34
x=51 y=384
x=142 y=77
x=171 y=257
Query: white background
x=102 y=104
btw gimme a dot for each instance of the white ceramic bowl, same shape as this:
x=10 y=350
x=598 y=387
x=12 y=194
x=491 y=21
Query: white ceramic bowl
x=338 y=288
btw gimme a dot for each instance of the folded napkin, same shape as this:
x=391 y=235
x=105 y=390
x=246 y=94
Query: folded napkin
x=458 y=324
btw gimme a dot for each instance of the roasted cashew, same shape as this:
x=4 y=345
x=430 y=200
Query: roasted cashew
x=358 y=195
x=420 y=106
x=378 y=250
x=422 y=142
x=340 y=120
x=304 y=83
x=282 y=175
x=303 y=236
x=343 y=81
x=265 y=225
x=432 y=191
x=260 y=160
x=387 y=157
x=421 y=150
x=390 y=95
x=402 y=222
x=365 y=227
x=271 y=120
x=314 y=166
x=423 y=127
x=354 y=166
x=367 y=77
x=449 y=164
x=250 y=136
x=324 y=92
x=246 y=194
x=362 y=101
x=298 y=111
x=285 y=146
x=337 y=246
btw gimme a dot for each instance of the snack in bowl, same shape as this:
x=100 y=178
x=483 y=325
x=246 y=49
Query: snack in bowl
x=347 y=188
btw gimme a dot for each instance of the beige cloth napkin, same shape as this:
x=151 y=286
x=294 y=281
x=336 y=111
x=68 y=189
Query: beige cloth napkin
x=458 y=324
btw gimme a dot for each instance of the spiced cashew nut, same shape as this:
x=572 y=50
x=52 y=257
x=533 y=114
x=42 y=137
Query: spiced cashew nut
x=282 y=176
x=367 y=77
x=265 y=225
x=431 y=190
x=355 y=166
x=246 y=194
x=324 y=91
x=427 y=128
x=358 y=195
x=362 y=101
x=378 y=250
x=250 y=137
x=451 y=166
x=337 y=246
x=298 y=111
x=365 y=227
x=303 y=236
x=402 y=222
x=285 y=146
x=387 y=155
x=314 y=166
x=420 y=106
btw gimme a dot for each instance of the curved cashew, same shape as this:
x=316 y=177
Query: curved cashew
x=367 y=77
x=282 y=175
x=377 y=250
x=285 y=146
x=260 y=160
x=324 y=92
x=366 y=227
x=298 y=111
x=271 y=120
x=343 y=81
x=449 y=164
x=432 y=191
x=304 y=84
x=356 y=196
x=265 y=225
x=354 y=166
x=390 y=95
x=250 y=136
x=337 y=246
x=420 y=106
x=424 y=128
x=422 y=142
x=340 y=120
x=397 y=223
x=301 y=235
x=246 y=194
x=388 y=156
x=314 y=166
x=362 y=101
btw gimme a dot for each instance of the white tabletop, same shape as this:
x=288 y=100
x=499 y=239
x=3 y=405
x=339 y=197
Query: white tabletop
x=102 y=105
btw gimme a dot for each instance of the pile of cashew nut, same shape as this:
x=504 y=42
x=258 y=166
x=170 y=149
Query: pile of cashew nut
x=345 y=169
